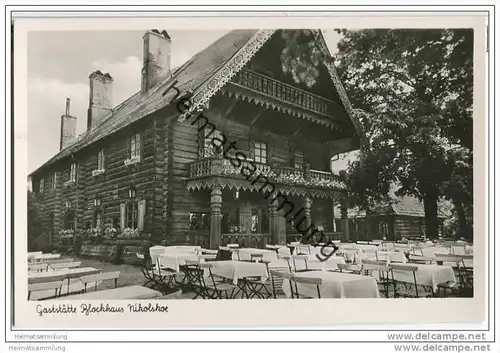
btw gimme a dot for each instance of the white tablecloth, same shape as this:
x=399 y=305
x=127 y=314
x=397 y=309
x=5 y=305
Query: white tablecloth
x=173 y=260
x=51 y=276
x=390 y=256
x=238 y=269
x=131 y=292
x=313 y=263
x=427 y=275
x=41 y=257
x=336 y=285
x=245 y=254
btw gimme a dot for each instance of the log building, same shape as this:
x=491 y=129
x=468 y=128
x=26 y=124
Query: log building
x=145 y=170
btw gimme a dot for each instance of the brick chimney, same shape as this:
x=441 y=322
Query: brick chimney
x=101 y=97
x=68 y=127
x=156 y=59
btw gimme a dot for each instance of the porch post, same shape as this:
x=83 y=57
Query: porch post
x=307 y=215
x=277 y=225
x=345 y=219
x=215 y=216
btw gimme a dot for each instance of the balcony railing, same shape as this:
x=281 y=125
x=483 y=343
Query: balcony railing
x=275 y=173
x=283 y=92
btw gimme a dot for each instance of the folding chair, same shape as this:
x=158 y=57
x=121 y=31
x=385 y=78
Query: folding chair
x=408 y=294
x=147 y=269
x=64 y=265
x=277 y=278
x=215 y=288
x=100 y=277
x=349 y=268
x=385 y=275
x=305 y=280
x=37 y=267
x=418 y=259
x=37 y=287
x=297 y=259
x=195 y=279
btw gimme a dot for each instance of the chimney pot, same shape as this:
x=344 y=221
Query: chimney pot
x=68 y=127
x=67 y=106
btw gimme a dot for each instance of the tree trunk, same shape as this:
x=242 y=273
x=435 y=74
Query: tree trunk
x=462 y=220
x=431 y=219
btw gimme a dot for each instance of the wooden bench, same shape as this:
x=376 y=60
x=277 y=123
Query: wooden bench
x=36 y=287
x=99 y=278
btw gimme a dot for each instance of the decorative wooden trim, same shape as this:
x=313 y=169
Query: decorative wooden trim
x=329 y=64
x=227 y=71
x=243 y=184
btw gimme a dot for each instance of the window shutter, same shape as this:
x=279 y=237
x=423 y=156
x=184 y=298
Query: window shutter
x=201 y=143
x=269 y=150
x=140 y=214
x=251 y=143
x=122 y=216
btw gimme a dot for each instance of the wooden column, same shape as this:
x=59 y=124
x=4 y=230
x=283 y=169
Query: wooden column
x=307 y=215
x=345 y=220
x=215 y=216
x=277 y=225
x=333 y=217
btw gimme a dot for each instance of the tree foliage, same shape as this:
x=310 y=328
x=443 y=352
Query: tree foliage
x=35 y=224
x=414 y=88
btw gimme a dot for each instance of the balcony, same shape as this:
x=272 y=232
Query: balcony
x=283 y=92
x=277 y=174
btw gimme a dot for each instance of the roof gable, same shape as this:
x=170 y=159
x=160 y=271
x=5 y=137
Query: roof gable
x=203 y=75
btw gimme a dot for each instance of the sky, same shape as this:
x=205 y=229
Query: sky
x=59 y=64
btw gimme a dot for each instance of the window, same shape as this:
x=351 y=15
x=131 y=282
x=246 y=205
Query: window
x=199 y=221
x=260 y=220
x=54 y=181
x=132 y=215
x=100 y=160
x=40 y=189
x=209 y=150
x=231 y=221
x=383 y=228
x=135 y=146
x=72 y=172
x=260 y=152
x=69 y=220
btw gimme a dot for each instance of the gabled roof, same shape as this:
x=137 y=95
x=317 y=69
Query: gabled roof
x=203 y=75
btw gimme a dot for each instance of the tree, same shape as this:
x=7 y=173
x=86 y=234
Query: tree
x=415 y=88
x=413 y=92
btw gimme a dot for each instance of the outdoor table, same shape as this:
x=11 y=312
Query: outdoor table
x=427 y=275
x=336 y=285
x=173 y=260
x=41 y=257
x=238 y=272
x=52 y=276
x=313 y=263
x=389 y=256
x=33 y=253
x=130 y=292
x=432 y=250
x=245 y=254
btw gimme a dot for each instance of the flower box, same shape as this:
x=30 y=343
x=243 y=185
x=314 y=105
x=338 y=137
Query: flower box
x=132 y=160
x=98 y=172
x=69 y=183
